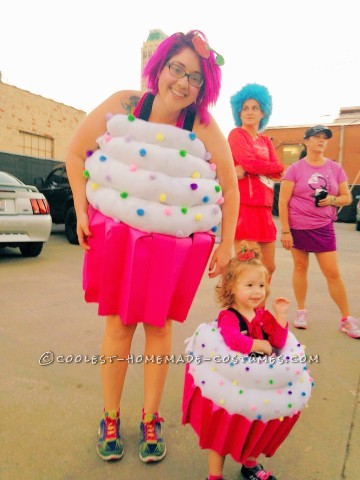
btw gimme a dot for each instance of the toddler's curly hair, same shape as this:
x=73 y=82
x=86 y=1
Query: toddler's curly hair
x=246 y=258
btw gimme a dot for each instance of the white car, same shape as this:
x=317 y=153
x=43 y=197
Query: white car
x=25 y=220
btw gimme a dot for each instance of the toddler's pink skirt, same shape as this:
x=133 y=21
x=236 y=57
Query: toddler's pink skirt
x=229 y=434
x=142 y=277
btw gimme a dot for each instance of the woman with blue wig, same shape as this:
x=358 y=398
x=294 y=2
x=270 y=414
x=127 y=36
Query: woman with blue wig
x=256 y=166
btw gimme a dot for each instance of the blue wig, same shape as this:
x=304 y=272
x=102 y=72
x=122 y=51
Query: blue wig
x=256 y=92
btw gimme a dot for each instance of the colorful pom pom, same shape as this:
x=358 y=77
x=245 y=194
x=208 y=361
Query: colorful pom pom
x=213 y=167
x=194 y=186
x=142 y=152
x=162 y=197
x=205 y=199
x=102 y=158
x=140 y=212
x=192 y=135
x=195 y=175
x=159 y=137
x=131 y=117
x=198 y=217
x=124 y=194
x=217 y=188
x=184 y=210
x=89 y=153
x=86 y=174
x=183 y=153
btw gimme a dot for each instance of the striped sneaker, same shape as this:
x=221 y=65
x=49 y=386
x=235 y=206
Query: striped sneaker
x=152 y=447
x=110 y=445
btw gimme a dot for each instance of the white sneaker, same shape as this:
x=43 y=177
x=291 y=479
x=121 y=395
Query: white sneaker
x=350 y=326
x=301 y=319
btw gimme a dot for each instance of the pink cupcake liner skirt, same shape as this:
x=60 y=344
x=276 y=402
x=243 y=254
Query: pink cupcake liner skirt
x=142 y=277
x=228 y=434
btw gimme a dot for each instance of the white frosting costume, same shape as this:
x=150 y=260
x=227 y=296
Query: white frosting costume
x=242 y=405
x=154 y=207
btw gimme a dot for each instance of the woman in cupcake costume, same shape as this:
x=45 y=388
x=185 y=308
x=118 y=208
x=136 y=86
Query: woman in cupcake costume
x=243 y=390
x=152 y=179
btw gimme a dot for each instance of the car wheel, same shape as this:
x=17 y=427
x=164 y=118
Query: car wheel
x=31 y=249
x=70 y=226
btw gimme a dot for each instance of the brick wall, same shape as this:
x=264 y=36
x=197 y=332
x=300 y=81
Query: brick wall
x=21 y=110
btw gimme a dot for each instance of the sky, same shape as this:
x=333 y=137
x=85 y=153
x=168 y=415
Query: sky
x=79 y=52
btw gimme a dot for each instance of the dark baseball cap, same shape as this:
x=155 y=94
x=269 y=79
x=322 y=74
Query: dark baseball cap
x=316 y=130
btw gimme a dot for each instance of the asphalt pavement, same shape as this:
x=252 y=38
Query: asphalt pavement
x=50 y=414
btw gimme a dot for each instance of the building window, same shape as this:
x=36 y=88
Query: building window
x=291 y=153
x=36 y=145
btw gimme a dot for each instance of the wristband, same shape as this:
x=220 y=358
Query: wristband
x=285 y=233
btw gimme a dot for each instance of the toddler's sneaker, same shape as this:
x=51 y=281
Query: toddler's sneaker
x=152 y=447
x=301 y=319
x=110 y=445
x=256 y=473
x=350 y=326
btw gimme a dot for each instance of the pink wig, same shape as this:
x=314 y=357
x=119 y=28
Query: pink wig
x=209 y=91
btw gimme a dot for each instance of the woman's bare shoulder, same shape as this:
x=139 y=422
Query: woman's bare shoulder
x=124 y=101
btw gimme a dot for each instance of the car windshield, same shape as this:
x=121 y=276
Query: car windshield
x=57 y=177
x=6 y=178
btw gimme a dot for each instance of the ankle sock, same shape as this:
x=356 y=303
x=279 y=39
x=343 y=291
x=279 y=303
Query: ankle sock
x=250 y=463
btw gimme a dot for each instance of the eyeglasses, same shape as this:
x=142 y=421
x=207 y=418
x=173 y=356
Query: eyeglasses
x=194 y=79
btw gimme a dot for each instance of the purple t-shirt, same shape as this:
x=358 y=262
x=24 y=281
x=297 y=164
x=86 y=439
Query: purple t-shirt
x=303 y=214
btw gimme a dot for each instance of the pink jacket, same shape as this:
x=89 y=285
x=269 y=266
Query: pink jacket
x=264 y=321
x=256 y=157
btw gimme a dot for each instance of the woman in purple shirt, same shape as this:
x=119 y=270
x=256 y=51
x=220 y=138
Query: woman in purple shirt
x=311 y=190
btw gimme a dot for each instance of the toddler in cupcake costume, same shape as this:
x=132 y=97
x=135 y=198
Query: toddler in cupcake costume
x=152 y=180
x=243 y=393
